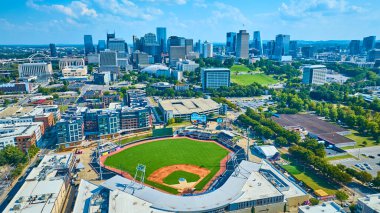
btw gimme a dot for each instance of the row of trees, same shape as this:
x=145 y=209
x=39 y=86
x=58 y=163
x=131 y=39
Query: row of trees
x=267 y=128
x=319 y=164
x=227 y=102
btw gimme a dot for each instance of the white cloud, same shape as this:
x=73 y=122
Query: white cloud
x=74 y=10
x=316 y=8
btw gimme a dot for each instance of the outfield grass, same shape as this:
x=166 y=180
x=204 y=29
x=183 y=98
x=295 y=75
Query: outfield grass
x=182 y=124
x=174 y=177
x=156 y=155
x=310 y=178
x=136 y=138
x=248 y=79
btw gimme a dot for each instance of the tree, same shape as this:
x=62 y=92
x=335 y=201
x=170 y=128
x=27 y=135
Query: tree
x=314 y=201
x=341 y=196
x=281 y=141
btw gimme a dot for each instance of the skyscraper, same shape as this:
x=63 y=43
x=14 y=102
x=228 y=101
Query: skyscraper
x=189 y=45
x=88 y=45
x=116 y=44
x=293 y=49
x=231 y=42
x=199 y=47
x=369 y=43
x=281 y=46
x=207 y=50
x=53 y=50
x=109 y=36
x=354 y=47
x=150 y=39
x=242 y=44
x=269 y=49
x=108 y=58
x=161 y=38
x=257 y=42
x=101 y=45
x=308 y=52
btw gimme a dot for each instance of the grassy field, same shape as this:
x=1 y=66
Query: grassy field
x=132 y=139
x=359 y=140
x=174 y=177
x=239 y=68
x=182 y=124
x=310 y=178
x=248 y=79
x=169 y=152
x=340 y=157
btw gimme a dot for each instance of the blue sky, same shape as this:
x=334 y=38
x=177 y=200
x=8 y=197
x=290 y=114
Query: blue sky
x=66 y=21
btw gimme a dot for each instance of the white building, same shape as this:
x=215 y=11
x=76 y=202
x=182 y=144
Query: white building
x=187 y=65
x=314 y=74
x=328 y=207
x=35 y=69
x=45 y=188
x=207 y=50
x=214 y=78
x=69 y=62
x=370 y=203
x=10 y=132
x=74 y=71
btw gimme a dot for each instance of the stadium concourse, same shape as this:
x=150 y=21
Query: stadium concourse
x=257 y=185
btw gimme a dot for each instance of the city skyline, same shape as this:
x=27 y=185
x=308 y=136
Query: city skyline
x=66 y=21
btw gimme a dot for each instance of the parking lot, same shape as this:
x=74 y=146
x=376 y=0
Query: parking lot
x=368 y=160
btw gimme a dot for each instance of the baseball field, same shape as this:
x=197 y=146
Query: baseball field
x=172 y=165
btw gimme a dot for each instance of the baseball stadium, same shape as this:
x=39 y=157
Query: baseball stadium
x=195 y=171
x=174 y=165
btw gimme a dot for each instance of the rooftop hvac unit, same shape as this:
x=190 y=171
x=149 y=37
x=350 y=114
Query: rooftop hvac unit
x=17 y=207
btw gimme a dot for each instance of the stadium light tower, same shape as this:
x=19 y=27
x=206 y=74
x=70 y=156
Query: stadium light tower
x=248 y=148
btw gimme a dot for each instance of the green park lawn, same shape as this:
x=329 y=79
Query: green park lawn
x=174 y=177
x=167 y=152
x=310 y=178
x=359 y=140
x=340 y=157
x=248 y=79
x=239 y=68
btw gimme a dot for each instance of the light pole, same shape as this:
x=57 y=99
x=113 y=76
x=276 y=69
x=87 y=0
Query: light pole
x=248 y=148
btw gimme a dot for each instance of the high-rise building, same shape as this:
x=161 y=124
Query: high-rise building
x=150 y=39
x=101 y=45
x=88 y=44
x=207 y=50
x=108 y=58
x=354 y=47
x=293 y=49
x=161 y=38
x=199 y=47
x=373 y=55
x=214 y=78
x=177 y=49
x=269 y=48
x=369 y=43
x=242 y=44
x=257 y=42
x=281 y=46
x=117 y=44
x=314 y=74
x=176 y=41
x=231 y=42
x=308 y=52
x=189 y=46
x=110 y=36
x=53 y=50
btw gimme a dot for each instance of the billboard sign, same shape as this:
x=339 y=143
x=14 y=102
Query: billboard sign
x=198 y=119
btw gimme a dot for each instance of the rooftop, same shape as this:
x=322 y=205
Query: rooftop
x=188 y=106
x=42 y=187
x=372 y=201
x=328 y=207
